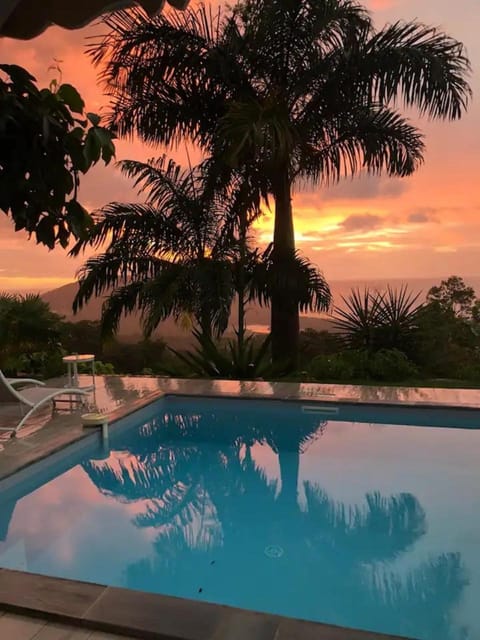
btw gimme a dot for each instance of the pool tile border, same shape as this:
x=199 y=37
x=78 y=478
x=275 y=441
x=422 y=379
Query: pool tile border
x=153 y=617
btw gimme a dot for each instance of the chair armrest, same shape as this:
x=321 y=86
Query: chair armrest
x=15 y=381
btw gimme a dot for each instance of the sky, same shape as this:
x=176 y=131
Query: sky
x=426 y=225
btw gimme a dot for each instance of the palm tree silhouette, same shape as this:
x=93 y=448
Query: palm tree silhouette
x=304 y=92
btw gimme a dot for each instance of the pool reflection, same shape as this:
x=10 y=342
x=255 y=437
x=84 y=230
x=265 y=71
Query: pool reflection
x=226 y=532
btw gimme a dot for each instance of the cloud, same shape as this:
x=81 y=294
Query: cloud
x=361 y=222
x=422 y=216
x=360 y=188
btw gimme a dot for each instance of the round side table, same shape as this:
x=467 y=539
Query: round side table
x=72 y=363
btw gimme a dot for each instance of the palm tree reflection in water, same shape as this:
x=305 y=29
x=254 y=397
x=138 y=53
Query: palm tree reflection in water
x=219 y=518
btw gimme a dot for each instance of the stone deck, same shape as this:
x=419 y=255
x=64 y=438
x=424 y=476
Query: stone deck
x=19 y=627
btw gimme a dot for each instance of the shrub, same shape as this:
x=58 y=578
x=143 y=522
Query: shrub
x=469 y=371
x=104 y=368
x=41 y=364
x=132 y=358
x=315 y=343
x=391 y=365
x=344 y=366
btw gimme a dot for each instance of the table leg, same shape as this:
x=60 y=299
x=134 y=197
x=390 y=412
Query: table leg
x=75 y=374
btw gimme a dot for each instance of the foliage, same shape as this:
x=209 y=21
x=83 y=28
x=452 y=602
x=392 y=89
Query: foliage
x=244 y=360
x=385 y=365
x=300 y=91
x=171 y=256
x=391 y=365
x=101 y=368
x=29 y=332
x=186 y=252
x=340 y=367
x=297 y=280
x=455 y=297
x=469 y=371
x=313 y=343
x=443 y=342
x=378 y=320
x=83 y=336
x=225 y=80
x=447 y=340
x=134 y=357
x=46 y=141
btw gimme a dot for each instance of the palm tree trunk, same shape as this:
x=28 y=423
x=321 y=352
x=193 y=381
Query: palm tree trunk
x=289 y=462
x=285 y=321
x=241 y=281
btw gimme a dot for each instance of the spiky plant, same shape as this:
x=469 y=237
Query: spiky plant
x=378 y=320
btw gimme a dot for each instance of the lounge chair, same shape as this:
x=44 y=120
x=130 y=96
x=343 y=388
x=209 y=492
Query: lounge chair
x=31 y=397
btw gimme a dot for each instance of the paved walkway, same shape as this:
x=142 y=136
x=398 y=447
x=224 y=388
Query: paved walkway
x=13 y=627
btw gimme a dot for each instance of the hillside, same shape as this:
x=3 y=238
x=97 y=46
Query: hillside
x=258 y=318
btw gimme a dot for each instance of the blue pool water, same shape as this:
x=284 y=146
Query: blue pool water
x=361 y=517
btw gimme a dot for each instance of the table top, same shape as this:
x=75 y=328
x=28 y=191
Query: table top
x=79 y=357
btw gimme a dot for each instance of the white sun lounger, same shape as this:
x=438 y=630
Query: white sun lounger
x=31 y=397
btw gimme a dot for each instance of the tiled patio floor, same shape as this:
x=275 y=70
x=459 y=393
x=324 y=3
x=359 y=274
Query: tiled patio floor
x=14 y=627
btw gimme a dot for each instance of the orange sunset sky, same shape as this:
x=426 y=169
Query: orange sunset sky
x=426 y=225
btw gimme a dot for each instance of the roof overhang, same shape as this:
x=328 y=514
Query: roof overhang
x=24 y=19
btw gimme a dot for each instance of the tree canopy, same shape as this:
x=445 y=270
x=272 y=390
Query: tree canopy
x=46 y=142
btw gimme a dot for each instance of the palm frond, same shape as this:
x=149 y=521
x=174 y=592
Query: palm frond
x=371 y=139
x=300 y=282
x=424 y=66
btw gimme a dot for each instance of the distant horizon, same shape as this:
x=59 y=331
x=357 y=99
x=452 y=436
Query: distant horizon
x=334 y=281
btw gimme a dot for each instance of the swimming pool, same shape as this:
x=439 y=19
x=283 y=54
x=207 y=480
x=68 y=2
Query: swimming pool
x=364 y=517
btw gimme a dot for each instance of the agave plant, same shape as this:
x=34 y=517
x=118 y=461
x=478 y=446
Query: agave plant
x=239 y=360
x=378 y=320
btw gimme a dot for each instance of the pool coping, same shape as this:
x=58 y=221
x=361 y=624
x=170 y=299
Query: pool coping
x=158 y=617
x=151 y=616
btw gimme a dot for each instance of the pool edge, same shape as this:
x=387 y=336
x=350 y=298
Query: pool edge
x=154 y=617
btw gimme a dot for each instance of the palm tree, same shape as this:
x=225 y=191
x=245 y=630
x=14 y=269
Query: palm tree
x=303 y=91
x=172 y=255
x=187 y=250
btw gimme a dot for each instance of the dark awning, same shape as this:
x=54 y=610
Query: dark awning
x=27 y=18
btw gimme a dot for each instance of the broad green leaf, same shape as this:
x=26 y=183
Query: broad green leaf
x=45 y=231
x=94 y=119
x=71 y=97
x=92 y=148
x=78 y=218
